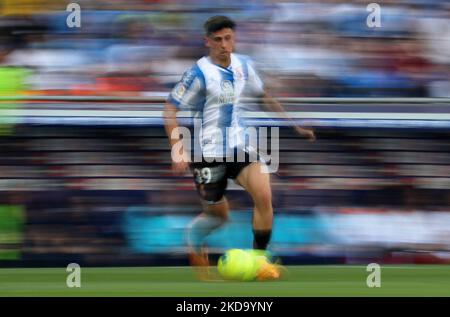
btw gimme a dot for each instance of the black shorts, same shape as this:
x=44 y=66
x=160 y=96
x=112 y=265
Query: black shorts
x=211 y=177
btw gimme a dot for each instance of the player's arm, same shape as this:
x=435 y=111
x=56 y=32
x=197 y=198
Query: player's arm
x=180 y=99
x=178 y=155
x=259 y=89
x=271 y=104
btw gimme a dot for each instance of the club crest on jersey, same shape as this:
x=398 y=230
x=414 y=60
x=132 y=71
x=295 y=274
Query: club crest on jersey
x=227 y=95
x=227 y=86
x=238 y=73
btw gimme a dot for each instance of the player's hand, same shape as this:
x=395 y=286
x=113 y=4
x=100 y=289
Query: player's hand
x=306 y=133
x=180 y=167
x=180 y=163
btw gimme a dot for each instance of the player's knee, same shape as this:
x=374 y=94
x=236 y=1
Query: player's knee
x=220 y=210
x=222 y=215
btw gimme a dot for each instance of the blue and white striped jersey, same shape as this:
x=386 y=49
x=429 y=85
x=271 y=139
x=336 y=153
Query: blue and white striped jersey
x=214 y=93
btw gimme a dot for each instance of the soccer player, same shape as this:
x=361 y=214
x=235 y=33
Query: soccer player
x=213 y=88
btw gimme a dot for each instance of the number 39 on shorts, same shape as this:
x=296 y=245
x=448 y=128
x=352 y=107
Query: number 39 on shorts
x=202 y=176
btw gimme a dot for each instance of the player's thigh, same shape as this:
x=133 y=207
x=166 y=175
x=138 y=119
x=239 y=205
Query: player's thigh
x=256 y=182
x=211 y=182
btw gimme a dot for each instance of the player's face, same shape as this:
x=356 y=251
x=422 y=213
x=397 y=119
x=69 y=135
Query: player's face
x=221 y=44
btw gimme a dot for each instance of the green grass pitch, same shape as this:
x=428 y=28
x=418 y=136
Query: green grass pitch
x=345 y=280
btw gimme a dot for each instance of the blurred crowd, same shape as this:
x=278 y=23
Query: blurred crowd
x=302 y=48
x=102 y=195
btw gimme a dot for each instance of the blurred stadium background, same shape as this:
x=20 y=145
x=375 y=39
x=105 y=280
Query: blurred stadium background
x=85 y=165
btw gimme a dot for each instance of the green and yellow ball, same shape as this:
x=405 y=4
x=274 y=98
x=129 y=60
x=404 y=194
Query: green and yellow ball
x=239 y=265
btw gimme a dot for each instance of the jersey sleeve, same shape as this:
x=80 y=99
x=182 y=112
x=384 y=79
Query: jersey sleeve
x=255 y=84
x=189 y=92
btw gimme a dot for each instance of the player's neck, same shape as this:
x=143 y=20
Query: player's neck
x=225 y=63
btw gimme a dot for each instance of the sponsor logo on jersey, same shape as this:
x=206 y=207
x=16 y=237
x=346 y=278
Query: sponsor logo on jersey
x=179 y=91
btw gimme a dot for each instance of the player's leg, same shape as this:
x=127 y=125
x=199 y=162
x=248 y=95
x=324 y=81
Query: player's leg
x=210 y=181
x=257 y=183
x=213 y=216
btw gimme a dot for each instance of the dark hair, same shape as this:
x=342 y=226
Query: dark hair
x=217 y=23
